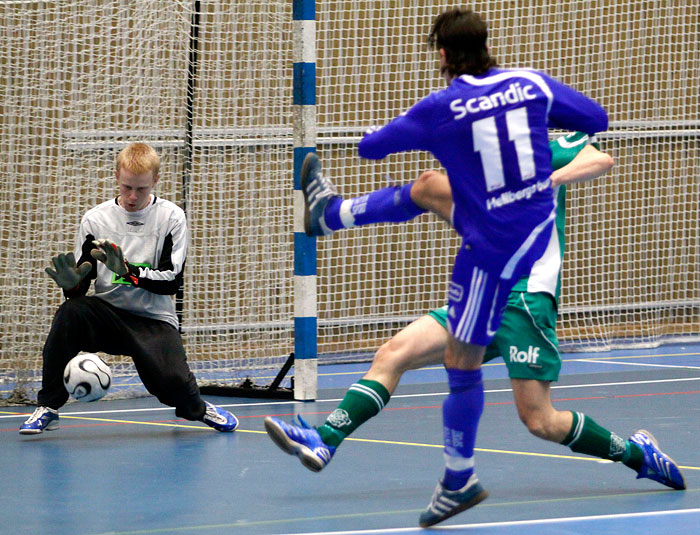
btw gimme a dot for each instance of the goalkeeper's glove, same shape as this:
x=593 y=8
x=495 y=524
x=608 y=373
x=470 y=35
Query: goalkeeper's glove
x=67 y=274
x=111 y=255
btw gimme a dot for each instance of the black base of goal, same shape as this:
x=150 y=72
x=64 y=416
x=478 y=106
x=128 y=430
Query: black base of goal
x=248 y=389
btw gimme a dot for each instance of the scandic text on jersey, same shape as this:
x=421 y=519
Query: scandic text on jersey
x=514 y=94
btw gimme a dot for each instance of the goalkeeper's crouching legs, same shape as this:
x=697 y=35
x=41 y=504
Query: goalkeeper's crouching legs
x=80 y=324
x=162 y=366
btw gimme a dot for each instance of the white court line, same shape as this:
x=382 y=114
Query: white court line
x=640 y=364
x=335 y=400
x=555 y=386
x=155 y=409
x=564 y=520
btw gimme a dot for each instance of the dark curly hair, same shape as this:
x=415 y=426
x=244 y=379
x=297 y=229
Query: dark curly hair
x=462 y=33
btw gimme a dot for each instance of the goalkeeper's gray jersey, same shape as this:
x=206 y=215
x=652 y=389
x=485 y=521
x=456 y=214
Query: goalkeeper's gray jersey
x=154 y=239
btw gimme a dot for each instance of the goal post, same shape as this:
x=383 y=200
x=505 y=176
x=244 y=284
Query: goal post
x=305 y=260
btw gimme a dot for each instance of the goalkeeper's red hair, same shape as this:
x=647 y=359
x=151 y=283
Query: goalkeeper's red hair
x=139 y=158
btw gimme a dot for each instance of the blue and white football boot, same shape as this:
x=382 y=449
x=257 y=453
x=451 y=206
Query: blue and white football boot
x=43 y=419
x=447 y=503
x=318 y=190
x=302 y=441
x=220 y=419
x=657 y=465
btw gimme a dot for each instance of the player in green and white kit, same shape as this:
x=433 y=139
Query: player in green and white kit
x=526 y=340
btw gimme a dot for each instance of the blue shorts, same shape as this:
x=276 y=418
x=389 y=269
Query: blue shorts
x=477 y=300
x=480 y=286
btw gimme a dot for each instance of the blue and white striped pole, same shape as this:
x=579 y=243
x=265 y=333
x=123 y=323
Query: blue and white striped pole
x=305 y=324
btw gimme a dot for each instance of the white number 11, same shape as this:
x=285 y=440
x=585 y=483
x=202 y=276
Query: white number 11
x=485 y=133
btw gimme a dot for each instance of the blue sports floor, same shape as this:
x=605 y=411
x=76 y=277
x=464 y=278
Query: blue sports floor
x=130 y=467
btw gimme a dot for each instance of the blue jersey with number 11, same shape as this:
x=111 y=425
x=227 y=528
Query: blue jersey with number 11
x=490 y=134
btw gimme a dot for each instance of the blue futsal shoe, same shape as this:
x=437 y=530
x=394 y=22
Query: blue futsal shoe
x=657 y=465
x=220 y=419
x=43 y=419
x=318 y=190
x=304 y=442
x=447 y=503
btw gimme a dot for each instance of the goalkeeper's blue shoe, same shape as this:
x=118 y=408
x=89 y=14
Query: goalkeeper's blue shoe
x=657 y=465
x=302 y=441
x=220 y=419
x=447 y=503
x=318 y=190
x=43 y=419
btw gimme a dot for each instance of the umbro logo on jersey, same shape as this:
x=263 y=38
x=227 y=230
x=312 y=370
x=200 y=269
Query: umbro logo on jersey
x=134 y=223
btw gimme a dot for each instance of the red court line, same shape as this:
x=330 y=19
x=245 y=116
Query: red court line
x=500 y=403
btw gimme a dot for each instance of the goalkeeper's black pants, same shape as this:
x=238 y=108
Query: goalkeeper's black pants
x=90 y=324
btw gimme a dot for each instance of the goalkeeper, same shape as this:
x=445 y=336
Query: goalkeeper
x=132 y=311
x=526 y=339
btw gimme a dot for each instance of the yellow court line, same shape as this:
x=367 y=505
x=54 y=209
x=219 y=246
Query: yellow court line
x=508 y=452
x=135 y=422
x=159 y=424
x=483 y=450
x=366 y=440
x=108 y=420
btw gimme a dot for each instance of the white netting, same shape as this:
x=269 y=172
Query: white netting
x=631 y=275
x=83 y=78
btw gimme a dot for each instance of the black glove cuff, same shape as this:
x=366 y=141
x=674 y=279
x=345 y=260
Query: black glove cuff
x=132 y=274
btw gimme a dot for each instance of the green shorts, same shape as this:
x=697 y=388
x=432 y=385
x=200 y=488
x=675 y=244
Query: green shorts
x=527 y=339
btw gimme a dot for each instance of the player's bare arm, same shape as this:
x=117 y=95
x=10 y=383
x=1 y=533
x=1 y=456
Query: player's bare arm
x=588 y=164
x=432 y=189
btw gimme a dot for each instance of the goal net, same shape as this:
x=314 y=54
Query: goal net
x=631 y=271
x=211 y=90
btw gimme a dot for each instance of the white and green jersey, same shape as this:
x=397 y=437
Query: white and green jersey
x=545 y=273
x=154 y=241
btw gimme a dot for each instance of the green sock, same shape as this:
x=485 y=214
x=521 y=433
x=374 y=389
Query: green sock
x=586 y=436
x=362 y=401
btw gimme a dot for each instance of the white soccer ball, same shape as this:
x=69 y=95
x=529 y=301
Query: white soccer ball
x=87 y=377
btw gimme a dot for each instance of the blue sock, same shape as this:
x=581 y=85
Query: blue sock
x=461 y=412
x=331 y=214
x=387 y=205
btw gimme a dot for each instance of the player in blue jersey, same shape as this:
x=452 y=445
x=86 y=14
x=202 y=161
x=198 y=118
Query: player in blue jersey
x=489 y=130
x=526 y=339
x=131 y=311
